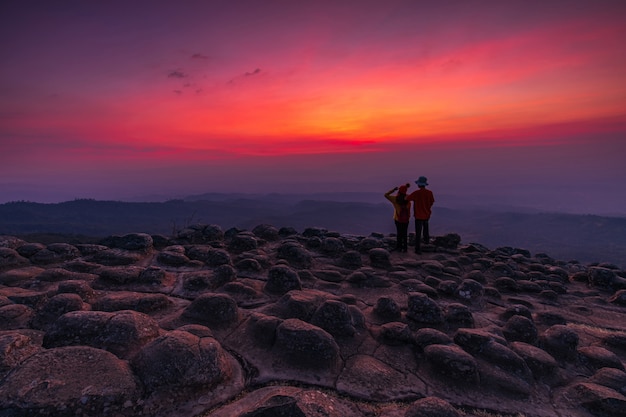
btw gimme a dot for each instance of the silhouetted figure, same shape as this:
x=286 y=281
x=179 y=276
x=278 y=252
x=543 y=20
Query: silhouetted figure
x=423 y=200
x=401 y=215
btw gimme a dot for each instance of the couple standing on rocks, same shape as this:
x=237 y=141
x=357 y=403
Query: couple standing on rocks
x=423 y=200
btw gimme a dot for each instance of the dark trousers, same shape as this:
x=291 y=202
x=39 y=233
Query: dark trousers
x=402 y=236
x=421 y=229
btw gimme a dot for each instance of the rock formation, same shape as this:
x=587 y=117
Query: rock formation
x=272 y=322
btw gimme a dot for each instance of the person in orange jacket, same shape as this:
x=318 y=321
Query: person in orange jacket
x=401 y=215
x=423 y=200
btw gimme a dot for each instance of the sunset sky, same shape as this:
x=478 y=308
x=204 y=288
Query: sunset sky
x=525 y=100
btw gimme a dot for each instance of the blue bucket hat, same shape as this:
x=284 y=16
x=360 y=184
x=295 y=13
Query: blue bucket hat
x=422 y=181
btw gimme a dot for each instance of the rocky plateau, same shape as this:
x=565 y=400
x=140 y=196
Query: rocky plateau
x=276 y=322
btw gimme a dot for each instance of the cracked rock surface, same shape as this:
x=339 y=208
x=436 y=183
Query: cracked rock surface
x=273 y=322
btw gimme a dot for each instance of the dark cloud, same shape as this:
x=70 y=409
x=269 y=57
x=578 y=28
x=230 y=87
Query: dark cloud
x=176 y=74
x=255 y=72
x=199 y=56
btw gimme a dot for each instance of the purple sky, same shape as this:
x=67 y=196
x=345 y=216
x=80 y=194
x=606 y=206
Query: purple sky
x=518 y=102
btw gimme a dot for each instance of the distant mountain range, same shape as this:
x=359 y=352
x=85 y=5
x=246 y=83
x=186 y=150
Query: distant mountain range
x=586 y=238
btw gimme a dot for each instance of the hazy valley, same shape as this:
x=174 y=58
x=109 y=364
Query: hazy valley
x=586 y=238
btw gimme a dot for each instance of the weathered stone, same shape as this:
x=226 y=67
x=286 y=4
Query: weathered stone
x=453 y=362
x=458 y=315
x=599 y=399
x=16 y=276
x=601 y=277
x=351 y=260
x=470 y=290
x=424 y=310
x=248 y=264
x=135 y=241
x=282 y=279
x=14 y=349
x=55 y=307
x=266 y=232
x=328 y=275
x=598 y=357
x=181 y=359
x=113 y=257
x=611 y=378
x=29 y=249
x=334 y=317
x=276 y=405
x=55 y=253
x=243 y=242
x=427 y=336
x=213 y=309
x=305 y=345
x=126 y=300
x=520 y=329
x=173 y=256
x=211 y=256
x=295 y=254
x=540 y=362
x=76 y=380
x=81 y=288
x=431 y=407
x=121 y=333
x=9 y=258
x=474 y=340
x=395 y=333
x=619 y=298
x=386 y=308
x=560 y=341
x=332 y=246
x=448 y=241
x=15 y=316
x=299 y=304
x=121 y=275
x=364 y=376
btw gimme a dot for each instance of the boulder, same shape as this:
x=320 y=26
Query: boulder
x=10 y=258
x=243 y=242
x=211 y=256
x=422 y=309
x=560 y=341
x=15 y=316
x=540 y=362
x=431 y=407
x=181 y=359
x=266 y=232
x=55 y=253
x=598 y=357
x=122 y=333
x=127 y=300
x=295 y=254
x=453 y=362
x=276 y=405
x=74 y=380
x=55 y=307
x=520 y=329
x=379 y=258
x=282 y=279
x=351 y=260
x=334 y=317
x=304 y=345
x=217 y=310
x=387 y=309
x=14 y=349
